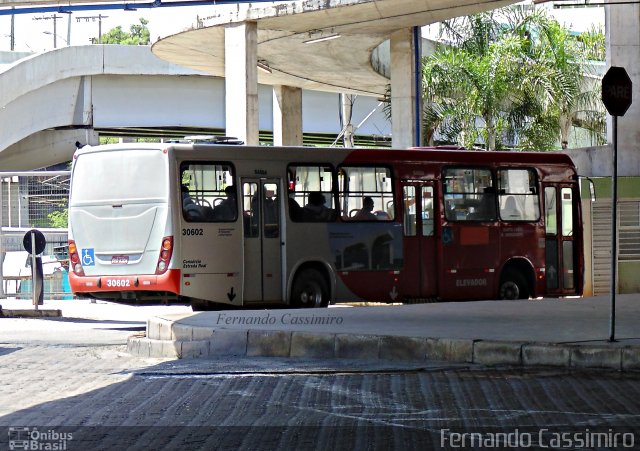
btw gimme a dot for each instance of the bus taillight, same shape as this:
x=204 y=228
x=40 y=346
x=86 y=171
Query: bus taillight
x=165 y=255
x=74 y=259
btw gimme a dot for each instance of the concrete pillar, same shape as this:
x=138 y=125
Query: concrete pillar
x=241 y=81
x=622 y=27
x=405 y=101
x=287 y=116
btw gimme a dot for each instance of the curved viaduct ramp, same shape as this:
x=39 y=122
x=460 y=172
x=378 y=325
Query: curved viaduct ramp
x=337 y=65
x=51 y=100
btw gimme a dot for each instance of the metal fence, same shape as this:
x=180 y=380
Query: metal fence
x=28 y=200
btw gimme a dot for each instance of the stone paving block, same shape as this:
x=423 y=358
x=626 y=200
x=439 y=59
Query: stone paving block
x=164 y=349
x=182 y=332
x=164 y=330
x=313 y=345
x=402 y=348
x=546 y=355
x=497 y=352
x=449 y=349
x=268 y=343
x=201 y=333
x=631 y=358
x=152 y=329
x=357 y=346
x=227 y=342
x=596 y=357
x=139 y=347
x=192 y=349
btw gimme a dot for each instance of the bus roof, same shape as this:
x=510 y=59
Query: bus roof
x=444 y=155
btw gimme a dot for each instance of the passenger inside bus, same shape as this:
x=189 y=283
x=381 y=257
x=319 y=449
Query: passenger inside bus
x=316 y=210
x=510 y=211
x=295 y=210
x=366 y=212
x=190 y=208
x=227 y=209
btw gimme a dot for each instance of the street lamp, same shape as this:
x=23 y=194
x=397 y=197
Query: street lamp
x=55 y=35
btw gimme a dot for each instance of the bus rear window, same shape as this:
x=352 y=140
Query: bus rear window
x=122 y=175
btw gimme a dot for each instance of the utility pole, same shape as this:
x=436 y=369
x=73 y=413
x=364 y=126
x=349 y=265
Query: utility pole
x=12 y=39
x=55 y=18
x=93 y=19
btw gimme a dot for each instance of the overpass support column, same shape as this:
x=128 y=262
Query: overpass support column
x=241 y=81
x=287 y=116
x=406 y=116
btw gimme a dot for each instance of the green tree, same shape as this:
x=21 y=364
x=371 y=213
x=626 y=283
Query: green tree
x=59 y=219
x=138 y=35
x=564 y=83
x=469 y=85
x=510 y=73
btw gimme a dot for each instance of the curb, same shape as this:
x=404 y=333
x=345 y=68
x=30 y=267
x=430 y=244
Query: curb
x=181 y=343
x=24 y=313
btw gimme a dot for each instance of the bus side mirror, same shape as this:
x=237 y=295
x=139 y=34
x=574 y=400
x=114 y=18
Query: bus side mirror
x=592 y=187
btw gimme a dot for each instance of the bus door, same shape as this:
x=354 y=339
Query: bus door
x=261 y=202
x=470 y=237
x=419 y=275
x=560 y=239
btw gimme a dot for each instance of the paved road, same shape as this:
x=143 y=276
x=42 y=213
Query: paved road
x=107 y=399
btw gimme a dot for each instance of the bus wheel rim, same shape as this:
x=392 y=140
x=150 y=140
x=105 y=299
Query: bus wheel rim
x=311 y=296
x=510 y=290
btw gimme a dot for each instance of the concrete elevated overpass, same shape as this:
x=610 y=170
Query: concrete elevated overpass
x=70 y=94
x=61 y=97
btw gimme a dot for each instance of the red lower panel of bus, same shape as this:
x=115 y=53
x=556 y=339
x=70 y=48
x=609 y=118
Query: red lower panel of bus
x=169 y=282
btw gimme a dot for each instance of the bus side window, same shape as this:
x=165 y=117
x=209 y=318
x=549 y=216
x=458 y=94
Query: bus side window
x=366 y=193
x=207 y=192
x=409 y=194
x=518 y=195
x=311 y=197
x=469 y=194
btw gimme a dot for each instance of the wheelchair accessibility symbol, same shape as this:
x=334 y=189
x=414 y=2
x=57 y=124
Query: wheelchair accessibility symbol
x=88 y=257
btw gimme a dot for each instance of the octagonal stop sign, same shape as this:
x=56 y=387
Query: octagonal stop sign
x=616 y=91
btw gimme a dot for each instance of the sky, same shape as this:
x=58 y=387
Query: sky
x=34 y=34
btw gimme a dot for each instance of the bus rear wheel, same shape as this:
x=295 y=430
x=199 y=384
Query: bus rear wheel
x=310 y=290
x=513 y=286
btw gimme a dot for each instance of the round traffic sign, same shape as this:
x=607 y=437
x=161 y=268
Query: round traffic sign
x=41 y=241
x=616 y=91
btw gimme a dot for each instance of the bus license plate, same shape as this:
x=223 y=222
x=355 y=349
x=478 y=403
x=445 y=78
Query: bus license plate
x=119 y=259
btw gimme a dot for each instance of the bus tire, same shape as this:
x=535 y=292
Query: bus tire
x=513 y=285
x=309 y=290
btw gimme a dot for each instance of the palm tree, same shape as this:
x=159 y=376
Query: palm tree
x=472 y=80
x=519 y=72
x=566 y=87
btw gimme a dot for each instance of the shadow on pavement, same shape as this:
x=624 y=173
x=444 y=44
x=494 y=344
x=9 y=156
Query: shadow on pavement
x=160 y=408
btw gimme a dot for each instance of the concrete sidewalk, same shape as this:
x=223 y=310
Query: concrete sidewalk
x=570 y=333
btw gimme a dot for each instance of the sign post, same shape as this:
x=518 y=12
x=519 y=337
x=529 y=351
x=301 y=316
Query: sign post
x=34 y=242
x=616 y=96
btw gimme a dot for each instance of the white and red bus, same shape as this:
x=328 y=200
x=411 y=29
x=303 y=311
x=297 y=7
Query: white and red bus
x=249 y=226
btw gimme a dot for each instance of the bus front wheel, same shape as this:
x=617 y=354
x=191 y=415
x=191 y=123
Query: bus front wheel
x=513 y=286
x=310 y=290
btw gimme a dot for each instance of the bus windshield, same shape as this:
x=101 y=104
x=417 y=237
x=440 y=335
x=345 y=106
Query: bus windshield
x=123 y=176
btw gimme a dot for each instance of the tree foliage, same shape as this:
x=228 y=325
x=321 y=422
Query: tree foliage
x=510 y=77
x=138 y=35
